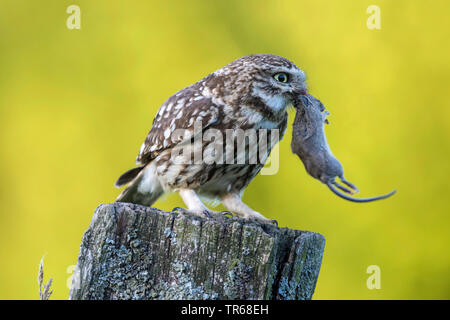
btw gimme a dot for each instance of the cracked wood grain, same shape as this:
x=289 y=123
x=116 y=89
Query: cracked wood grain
x=136 y=252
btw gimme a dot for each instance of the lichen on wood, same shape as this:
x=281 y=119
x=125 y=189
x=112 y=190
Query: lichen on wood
x=136 y=252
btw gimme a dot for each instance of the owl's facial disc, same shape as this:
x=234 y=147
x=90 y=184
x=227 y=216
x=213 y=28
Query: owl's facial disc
x=277 y=87
x=276 y=100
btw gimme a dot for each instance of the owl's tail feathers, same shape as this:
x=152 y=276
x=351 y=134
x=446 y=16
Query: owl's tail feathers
x=144 y=187
x=128 y=176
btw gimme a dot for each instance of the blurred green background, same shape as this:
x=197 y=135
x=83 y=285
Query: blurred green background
x=75 y=106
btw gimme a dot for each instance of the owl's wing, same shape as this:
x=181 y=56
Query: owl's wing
x=180 y=111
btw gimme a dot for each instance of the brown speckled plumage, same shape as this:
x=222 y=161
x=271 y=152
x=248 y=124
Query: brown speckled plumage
x=242 y=95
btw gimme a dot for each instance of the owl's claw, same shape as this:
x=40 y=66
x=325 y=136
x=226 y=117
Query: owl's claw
x=206 y=213
x=227 y=213
x=275 y=222
x=177 y=210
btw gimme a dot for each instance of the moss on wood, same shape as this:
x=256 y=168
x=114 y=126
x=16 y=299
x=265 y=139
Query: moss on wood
x=135 y=252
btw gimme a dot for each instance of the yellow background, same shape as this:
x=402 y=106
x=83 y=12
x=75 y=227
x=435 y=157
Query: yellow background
x=75 y=106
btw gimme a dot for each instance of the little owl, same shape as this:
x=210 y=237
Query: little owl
x=250 y=94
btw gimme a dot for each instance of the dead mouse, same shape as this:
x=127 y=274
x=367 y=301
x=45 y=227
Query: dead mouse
x=310 y=144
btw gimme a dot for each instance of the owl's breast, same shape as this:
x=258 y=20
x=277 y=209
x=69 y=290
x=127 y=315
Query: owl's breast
x=227 y=156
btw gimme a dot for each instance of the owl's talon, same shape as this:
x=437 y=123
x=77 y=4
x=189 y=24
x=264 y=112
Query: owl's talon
x=275 y=222
x=206 y=213
x=177 y=210
x=227 y=213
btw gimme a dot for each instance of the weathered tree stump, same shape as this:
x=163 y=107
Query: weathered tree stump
x=137 y=252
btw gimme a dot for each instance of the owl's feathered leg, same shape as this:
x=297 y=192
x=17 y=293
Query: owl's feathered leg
x=193 y=202
x=233 y=202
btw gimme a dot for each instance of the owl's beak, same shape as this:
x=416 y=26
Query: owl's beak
x=300 y=91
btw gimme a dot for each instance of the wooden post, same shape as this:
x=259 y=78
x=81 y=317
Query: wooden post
x=136 y=252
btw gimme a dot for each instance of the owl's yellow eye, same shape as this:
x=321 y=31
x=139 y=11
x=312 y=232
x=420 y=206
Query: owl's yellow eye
x=281 y=77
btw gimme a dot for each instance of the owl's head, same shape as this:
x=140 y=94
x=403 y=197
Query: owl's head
x=272 y=79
